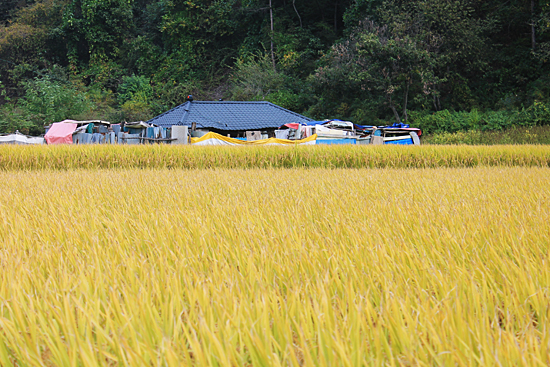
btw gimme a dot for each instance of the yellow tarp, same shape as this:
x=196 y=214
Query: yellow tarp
x=217 y=139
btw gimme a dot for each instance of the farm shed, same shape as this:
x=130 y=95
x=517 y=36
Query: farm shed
x=228 y=118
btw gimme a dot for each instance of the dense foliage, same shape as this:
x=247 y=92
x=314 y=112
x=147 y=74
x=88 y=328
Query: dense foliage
x=515 y=135
x=445 y=66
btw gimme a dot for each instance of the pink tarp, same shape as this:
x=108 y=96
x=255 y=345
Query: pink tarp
x=60 y=133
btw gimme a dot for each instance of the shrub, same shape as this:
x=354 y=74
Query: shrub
x=47 y=101
x=135 y=88
x=255 y=79
x=516 y=135
x=136 y=111
x=285 y=99
x=537 y=114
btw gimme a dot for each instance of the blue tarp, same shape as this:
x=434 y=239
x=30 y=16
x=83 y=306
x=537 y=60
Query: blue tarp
x=397 y=126
x=358 y=127
x=311 y=123
x=335 y=141
x=400 y=142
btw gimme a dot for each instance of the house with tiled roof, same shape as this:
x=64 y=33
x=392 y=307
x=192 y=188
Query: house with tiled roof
x=228 y=117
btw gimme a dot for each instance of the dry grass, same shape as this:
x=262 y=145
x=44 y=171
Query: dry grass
x=275 y=267
x=189 y=157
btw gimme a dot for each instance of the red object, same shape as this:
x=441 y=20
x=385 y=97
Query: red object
x=418 y=131
x=293 y=126
x=60 y=133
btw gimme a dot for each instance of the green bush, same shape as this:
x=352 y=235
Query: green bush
x=255 y=79
x=285 y=99
x=134 y=88
x=45 y=101
x=516 y=135
x=136 y=111
x=440 y=122
x=12 y=119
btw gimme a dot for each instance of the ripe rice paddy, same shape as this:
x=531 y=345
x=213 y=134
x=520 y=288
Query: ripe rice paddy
x=320 y=156
x=274 y=267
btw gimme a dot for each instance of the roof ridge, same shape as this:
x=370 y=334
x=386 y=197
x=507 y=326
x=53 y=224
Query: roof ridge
x=186 y=112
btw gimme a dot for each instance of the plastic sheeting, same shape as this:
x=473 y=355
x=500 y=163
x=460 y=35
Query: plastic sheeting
x=398 y=126
x=20 y=139
x=282 y=134
x=404 y=129
x=402 y=141
x=334 y=122
x=60 y=133
x=217 y=139
x=137 y=125
x=336 y=141
x=333 y=133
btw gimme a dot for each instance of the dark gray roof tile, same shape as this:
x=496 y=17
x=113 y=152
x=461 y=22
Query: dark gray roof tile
x=226 y=115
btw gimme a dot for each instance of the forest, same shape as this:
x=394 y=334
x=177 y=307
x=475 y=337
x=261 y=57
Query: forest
x=445 y=66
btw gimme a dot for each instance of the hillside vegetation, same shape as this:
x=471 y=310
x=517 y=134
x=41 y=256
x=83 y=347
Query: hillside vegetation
x=445 y=66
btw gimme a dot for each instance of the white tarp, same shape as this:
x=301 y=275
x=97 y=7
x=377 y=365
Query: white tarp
x=20 y=139
x=322 y=131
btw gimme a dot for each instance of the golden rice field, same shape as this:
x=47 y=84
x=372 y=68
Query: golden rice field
x=274 y=267
x=320 y=156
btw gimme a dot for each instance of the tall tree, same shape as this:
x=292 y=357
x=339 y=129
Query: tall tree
x=97 y=29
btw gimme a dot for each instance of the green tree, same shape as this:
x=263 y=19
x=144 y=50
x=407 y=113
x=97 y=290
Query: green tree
x=135 y=96
x=542 y=22
x=387 y=62
x=30 y=42
x=48 y=101
x=96 y=31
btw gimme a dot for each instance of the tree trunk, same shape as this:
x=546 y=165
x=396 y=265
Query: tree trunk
x=533 y=33
x=296 y=10
x=272 y=52
x=396 y=114
x=336 y=17
x=437 y=103
x=406 y=100
x=394 y=111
